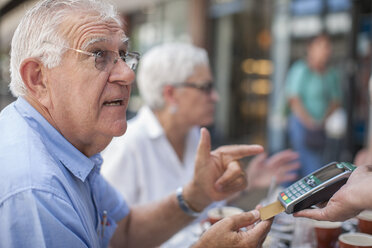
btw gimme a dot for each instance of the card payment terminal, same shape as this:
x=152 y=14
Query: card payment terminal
x=315 y=188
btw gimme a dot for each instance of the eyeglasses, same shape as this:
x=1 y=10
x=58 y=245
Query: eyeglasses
x=106 y=57
x=206 y=88
x=103 y=58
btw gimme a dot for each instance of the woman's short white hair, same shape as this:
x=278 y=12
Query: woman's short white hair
x=167 y=64
x=40 y=25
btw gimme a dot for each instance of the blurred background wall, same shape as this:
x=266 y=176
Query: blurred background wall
x=251 y=46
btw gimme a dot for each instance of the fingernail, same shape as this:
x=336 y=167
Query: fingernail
x=256 y=213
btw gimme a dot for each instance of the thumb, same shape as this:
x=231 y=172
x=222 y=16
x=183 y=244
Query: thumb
x=245 y=219
x=316 y=214
x=204 y=147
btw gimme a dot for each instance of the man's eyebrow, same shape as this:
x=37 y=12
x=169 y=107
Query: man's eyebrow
x=124 y=40
x=92 y=41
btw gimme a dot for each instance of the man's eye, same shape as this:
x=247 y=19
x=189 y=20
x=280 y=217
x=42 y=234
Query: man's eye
x=123 y=55
x=99 y=53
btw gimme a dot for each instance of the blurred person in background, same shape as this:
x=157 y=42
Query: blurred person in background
x=314 y=93
x=71 y=72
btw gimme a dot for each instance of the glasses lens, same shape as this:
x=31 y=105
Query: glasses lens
x=132 y=60
x=207 y=88
x=102 y=59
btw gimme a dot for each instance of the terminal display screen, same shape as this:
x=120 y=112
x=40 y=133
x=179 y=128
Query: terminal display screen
x=329 y=172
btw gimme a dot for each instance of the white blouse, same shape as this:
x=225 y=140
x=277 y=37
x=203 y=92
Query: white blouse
x=143 y=165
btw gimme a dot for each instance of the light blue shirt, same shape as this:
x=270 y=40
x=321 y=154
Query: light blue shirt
x=51 y=195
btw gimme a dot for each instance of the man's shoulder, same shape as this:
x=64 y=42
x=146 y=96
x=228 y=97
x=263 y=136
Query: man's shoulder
x=27 y=164
x=29 y=170
x=10 y=121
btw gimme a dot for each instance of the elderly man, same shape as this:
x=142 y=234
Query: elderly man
x=72 y=73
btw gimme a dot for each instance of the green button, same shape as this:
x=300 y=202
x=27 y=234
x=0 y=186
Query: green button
x=288 y=200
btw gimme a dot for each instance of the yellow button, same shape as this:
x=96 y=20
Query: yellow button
x=285 y=197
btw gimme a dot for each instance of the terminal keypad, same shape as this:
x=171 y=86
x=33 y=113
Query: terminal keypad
x=296 y=190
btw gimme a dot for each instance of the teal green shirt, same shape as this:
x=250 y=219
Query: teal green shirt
x=316 y=91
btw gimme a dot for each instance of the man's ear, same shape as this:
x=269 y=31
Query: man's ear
x=31 y=71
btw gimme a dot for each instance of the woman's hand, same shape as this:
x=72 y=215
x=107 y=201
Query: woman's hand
x=280 y=166
x=218 y=174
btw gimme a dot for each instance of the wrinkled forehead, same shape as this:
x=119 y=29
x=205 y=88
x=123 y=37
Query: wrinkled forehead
x=121 y=41
x=82 y=30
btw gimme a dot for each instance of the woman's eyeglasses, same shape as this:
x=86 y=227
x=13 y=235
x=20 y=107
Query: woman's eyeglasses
x=206 y=88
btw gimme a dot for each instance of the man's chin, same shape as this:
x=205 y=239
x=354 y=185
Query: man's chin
x=123 y=132
x=119 y=130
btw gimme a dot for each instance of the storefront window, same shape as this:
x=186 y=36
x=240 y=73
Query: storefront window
x=156 y=24
x=160 y=23
x=247 y=26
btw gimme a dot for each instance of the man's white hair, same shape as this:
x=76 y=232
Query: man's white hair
x=167 y=64
x=38 y=31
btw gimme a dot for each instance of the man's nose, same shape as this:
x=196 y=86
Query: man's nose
x=122 y=73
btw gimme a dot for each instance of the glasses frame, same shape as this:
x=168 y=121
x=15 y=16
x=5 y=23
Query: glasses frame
x=206 y=87
x=132 y=55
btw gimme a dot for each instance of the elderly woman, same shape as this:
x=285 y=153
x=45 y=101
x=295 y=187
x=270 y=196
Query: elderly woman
x=176 y=84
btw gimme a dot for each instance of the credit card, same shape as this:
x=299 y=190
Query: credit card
x=271 y=210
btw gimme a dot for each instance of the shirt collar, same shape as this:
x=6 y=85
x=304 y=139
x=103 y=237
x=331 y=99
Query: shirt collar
x=152 y=125
x=75 y=161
